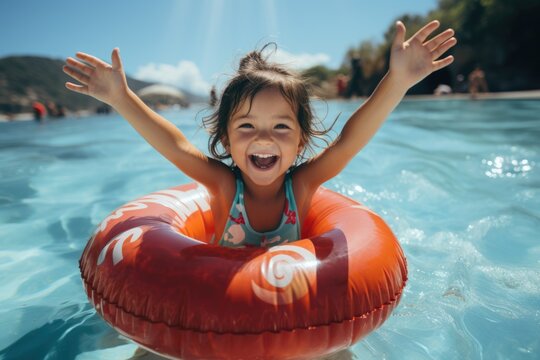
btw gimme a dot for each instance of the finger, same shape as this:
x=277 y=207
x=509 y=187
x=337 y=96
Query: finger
x=92 y=60
x=399 y=38
x=422 y=34
x=85 y=69
x=82 y=89
x=439 y=39
x=443 y=48
x=80 y=77
x=116 y=61
x=437 y=65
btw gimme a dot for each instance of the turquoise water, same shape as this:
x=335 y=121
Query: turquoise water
x=458 y=182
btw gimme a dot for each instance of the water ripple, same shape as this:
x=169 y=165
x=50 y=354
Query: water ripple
x=457 y=181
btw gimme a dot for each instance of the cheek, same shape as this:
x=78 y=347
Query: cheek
x=291 y=146
x=288 y=137
x=237 y=147
x=291 y=140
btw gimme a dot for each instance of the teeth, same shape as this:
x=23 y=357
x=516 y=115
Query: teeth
x=263 y=156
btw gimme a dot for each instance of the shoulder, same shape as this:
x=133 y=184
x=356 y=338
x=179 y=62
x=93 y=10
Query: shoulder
x=223 y=184
x=303 y=187
x=303 y=179
x=222 y=193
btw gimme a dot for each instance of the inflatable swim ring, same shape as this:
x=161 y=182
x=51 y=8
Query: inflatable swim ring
x=151 y=273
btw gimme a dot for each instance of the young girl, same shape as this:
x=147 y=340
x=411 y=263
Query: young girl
x=264 y=123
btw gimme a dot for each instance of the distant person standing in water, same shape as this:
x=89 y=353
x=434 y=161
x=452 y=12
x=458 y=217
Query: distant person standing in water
x=39 y=110
x=477 y=81
x=341 y=85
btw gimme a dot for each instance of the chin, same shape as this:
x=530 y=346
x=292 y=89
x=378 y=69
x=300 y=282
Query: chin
x=263 y=180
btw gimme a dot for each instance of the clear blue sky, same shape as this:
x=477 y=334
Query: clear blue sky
x=192 y=41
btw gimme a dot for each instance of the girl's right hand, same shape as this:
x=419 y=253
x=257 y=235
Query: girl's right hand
x=99 y=79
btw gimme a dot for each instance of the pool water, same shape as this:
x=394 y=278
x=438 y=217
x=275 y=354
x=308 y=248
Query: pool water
x=457 y=181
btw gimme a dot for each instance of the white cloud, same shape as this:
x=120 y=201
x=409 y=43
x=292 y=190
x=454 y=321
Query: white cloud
x=184 y=75
x=299 y=61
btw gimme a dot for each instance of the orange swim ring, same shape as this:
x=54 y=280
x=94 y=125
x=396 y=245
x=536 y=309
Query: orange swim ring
x=151 y=273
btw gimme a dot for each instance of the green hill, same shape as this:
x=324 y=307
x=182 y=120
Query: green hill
x=500 y=36
x=25 y=79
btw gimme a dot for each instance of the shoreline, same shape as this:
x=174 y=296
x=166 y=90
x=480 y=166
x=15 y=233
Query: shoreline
x=506 y=95
x=29 y=116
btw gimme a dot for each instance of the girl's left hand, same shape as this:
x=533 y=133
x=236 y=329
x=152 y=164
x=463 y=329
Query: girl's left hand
x=416 y=58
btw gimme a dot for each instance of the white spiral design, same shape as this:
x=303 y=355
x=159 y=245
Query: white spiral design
x=117 y=254
x=183 y=203
x=280 y=270
x=287 y=274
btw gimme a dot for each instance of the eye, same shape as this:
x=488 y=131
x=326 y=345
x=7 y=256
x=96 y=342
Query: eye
x=282 y=126
x=245 y=126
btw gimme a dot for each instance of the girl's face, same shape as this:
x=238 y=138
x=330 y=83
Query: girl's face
x=265 y=140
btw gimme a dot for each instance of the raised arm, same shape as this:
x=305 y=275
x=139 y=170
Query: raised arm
x=410 y=62
x=108 y=83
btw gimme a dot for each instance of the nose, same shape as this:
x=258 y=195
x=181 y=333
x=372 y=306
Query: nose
x=263 y=136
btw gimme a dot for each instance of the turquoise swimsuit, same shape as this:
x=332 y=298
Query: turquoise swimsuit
x=239 y=233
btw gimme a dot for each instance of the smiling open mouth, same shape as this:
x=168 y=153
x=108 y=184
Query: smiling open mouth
x=263 y=161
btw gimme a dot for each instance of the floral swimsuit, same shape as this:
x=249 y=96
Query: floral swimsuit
x=239 y=233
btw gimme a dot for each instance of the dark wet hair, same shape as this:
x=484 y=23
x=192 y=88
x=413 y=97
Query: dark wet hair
x=254 y=74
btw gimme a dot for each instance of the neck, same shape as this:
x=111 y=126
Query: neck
x=264 y=192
